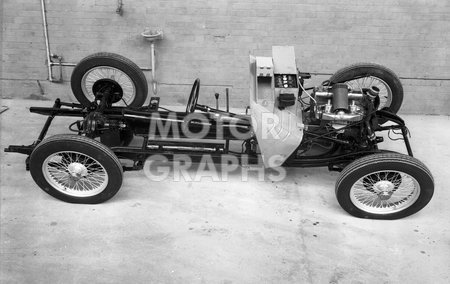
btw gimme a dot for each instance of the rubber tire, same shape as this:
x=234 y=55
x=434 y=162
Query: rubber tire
x=360 y=70
x=380 y=162
x=84 y=145
x=111 y=60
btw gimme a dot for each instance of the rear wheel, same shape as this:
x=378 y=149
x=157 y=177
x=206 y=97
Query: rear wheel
x=384 y=186
x=76 y=169
x=101 y=71
x=366 y=75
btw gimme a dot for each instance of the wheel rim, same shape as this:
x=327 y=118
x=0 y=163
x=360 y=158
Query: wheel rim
x=385 y=94
x=385 y=192
x=106 y=72
x=75 y=174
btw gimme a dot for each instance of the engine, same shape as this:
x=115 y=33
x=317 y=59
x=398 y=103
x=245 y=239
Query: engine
x=338 y=104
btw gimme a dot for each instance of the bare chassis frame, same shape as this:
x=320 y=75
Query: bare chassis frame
x=216 y=150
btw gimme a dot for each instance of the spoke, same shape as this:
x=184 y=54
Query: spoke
x=364 y=82
x=358 y=81
x=378 y=176
x=92 y=185
x=108 y=72
x=91 y=164
x=56 y=169
x=403 y=192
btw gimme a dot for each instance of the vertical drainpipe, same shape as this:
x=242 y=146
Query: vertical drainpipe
x=47 y=44
x=152 y=36
x=50 y=63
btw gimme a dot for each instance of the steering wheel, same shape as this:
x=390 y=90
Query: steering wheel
x=193 y=97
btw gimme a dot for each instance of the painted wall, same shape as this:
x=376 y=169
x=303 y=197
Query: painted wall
x=212 y=40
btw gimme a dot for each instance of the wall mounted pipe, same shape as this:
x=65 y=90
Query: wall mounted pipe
x=47 y=43
x=154 y=84
x=50 y=56
x=153 y=36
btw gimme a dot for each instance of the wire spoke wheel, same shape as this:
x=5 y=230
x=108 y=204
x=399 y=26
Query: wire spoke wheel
x=385 y=192
x=384 y=186
x=75 y=174
x=366 y=75
x=98 y=74
x=108 y=72
x=76 y=169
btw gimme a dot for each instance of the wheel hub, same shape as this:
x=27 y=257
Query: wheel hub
x=77 y=171
x=116 y=82
x=384 y=189
x=110 y=86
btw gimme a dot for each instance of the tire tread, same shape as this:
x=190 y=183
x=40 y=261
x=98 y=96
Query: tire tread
x=379 y=158
x=363 y=65
x=398 y=160
x=94 y=148
x=345 y=74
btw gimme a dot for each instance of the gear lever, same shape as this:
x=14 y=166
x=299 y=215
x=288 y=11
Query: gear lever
x=217 y=100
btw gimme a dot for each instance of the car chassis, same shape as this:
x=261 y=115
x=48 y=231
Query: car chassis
x=337 y=129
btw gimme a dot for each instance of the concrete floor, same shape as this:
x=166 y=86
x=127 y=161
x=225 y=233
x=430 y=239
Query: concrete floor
x=217 y=232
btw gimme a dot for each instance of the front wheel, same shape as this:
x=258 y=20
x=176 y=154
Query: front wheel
x=76 y=169
x=384 y=186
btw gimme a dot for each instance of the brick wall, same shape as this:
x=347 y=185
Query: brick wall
x=1 y=46
x=212 y=39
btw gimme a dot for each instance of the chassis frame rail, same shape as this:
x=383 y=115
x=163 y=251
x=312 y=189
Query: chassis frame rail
x=216 y=151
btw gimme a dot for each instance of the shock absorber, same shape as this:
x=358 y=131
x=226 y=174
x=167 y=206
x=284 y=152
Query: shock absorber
x=370 y=134
x=372 y=94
